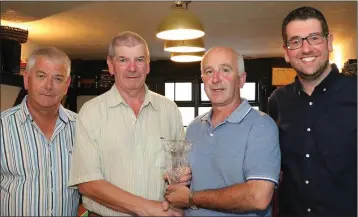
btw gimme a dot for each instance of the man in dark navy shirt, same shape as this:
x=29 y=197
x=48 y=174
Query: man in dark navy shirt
x=317 y=119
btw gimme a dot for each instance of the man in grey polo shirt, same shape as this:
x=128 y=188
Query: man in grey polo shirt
x=235 y=159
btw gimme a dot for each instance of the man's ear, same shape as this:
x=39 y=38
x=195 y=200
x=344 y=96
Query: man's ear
x=285 y=52
x=110 y=65
x=26 y=79
x=68 y=82
x=242 y=78
x=148 y=68
x=330 y=42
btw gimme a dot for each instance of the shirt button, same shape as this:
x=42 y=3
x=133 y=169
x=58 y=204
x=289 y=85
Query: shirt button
x=307 y=182
x=308 y=129
x=308 y=210
x=310 y=103
x=307 y=155
x=211 y=134
x=324 y=89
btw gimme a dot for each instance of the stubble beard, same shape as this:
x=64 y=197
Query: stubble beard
x=315 y=75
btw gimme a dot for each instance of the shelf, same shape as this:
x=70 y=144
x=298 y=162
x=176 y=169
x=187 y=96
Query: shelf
x=90 y=91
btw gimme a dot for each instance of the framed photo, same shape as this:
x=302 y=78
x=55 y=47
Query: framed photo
x=282 y=76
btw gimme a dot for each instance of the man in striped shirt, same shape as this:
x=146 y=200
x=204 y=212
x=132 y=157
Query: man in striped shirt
x=36 y=142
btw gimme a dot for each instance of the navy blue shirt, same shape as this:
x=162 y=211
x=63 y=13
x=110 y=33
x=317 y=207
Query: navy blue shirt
x=318 y=141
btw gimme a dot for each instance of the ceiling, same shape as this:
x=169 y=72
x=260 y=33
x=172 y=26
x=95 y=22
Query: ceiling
x=84 y=29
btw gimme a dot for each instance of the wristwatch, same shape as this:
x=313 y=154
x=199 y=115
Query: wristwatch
x=191 y=200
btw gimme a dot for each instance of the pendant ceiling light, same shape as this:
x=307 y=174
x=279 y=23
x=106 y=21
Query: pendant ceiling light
x=193 y=45
x=181 y=24
x=187 y=57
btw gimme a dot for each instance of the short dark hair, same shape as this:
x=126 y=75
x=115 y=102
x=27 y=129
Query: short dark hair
x=304 y=13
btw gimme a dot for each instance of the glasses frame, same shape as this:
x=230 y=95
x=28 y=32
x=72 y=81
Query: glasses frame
x=323 y=35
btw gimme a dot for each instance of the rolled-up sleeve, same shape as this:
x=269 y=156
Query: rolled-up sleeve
x=263 y=156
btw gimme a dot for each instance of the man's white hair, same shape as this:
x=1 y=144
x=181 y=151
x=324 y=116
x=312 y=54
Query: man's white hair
x=52 y=53
x=240 y=59
x=240 y=64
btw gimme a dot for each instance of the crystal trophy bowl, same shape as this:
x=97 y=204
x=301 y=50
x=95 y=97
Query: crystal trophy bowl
x=176 y=158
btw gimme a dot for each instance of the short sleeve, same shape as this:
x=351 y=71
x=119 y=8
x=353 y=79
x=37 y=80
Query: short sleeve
x=85 y=161
x=263 y=157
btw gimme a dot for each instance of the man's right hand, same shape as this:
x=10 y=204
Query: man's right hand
x=157 y=208
x=185 y=180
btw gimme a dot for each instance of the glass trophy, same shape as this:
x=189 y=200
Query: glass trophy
x=176 y=158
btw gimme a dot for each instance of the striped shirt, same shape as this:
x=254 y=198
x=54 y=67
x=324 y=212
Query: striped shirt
x=114 y=145
x=34 y=172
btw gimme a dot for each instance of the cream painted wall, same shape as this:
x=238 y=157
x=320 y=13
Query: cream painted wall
x=8 y=96
x=344 y=48
x=27 y=48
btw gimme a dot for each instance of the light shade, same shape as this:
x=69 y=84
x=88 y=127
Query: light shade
x=183 y=46
x=13 y=33
x=187 y=57
x=181 y=24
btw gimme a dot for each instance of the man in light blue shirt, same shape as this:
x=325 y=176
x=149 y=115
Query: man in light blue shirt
x=235 y=159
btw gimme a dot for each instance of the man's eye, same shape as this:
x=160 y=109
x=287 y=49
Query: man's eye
x=122 y=60
x=226 y=70
x=40 y=76
x=295 y=41
x=59 y=79
x=208 y=72
x=140 y=60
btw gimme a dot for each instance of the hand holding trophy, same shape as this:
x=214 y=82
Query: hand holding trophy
x=176 y=159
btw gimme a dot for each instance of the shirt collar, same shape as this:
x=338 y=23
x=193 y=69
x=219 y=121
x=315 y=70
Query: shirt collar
x=236 y=116
x=325 y=84
x=25 y=113
x=116 y=99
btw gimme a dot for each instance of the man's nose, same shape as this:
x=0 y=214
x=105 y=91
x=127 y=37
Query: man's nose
x=49 y=83
x=132 y=67
x=306 y=47
x=216 y=77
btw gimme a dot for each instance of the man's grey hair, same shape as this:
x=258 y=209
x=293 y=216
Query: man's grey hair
x=240 y=60
x=240 y=64
x=52 y=54
x=128 y=39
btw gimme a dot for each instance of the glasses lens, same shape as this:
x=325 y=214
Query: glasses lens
x=315 y=39
x=294 y=43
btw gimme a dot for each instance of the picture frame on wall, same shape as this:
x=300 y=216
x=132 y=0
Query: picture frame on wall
x=283 y=76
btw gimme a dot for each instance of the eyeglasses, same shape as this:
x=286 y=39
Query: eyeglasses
x=297 y=42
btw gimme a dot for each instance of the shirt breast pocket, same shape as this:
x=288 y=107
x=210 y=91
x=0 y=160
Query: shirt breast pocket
x=156 y=152
x=69 y=147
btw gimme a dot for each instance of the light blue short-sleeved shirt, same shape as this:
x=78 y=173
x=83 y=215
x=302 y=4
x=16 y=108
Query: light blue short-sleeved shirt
x=243 y=147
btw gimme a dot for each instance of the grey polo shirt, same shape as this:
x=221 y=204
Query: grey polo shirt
x=243 y=147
